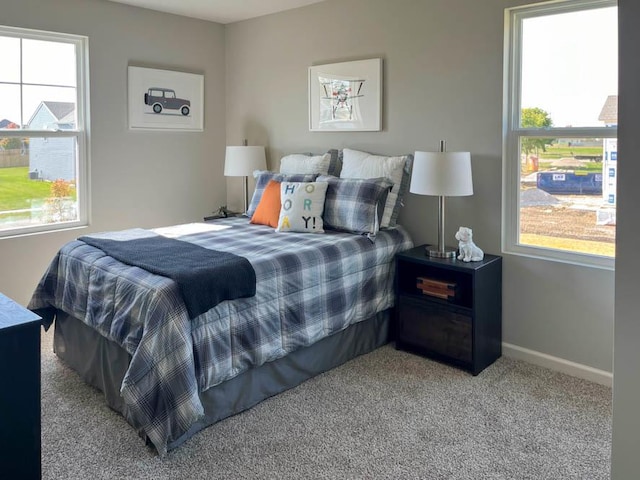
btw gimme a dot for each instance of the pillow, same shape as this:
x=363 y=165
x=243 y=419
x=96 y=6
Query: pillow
x=355 y=205
x=301 y=163
x=268 y=210
x=302 y=207
x=356 y=164
x=262 y=179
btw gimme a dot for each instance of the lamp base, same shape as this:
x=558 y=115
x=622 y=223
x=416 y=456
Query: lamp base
x=432 y=251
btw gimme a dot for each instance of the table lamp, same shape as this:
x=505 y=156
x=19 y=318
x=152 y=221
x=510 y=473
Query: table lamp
x=442 y=174
x=241 y=162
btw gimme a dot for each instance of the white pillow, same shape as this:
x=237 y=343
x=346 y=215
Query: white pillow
x=302 y=205
x=356 y=164
x=300 y=163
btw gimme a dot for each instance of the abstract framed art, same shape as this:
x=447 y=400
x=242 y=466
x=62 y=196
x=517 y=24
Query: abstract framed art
x=346 y=96
x=165 y=100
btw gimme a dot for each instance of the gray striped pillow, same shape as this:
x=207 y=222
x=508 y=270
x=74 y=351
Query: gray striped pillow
x=358 y=164
x=355 y=204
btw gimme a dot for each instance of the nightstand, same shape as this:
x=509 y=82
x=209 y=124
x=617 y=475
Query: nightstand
x=213 y=217
x=448 y=309
x=20 y=400
x=217 y=216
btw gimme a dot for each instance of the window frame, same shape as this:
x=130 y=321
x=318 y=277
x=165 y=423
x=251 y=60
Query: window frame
x=512 y=133
x=80 y=133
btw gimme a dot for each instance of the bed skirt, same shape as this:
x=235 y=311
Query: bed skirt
x=103 y=363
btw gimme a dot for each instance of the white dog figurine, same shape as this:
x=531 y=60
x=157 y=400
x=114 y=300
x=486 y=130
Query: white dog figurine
x=469 y=251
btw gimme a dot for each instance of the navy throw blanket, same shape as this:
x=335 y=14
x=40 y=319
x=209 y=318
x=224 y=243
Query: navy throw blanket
x=205 y=277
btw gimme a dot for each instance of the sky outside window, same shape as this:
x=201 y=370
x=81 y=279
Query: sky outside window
x=569 y=65
x=47 y=70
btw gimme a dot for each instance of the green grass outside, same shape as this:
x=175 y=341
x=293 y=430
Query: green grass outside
x=562 y=150
x=22 y=198
x=17 y=191
x=591 y=167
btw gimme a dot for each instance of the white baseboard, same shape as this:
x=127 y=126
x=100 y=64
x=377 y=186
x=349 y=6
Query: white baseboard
x=558 y=364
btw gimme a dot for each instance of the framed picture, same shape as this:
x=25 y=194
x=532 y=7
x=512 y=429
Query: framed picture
x=165 y=100
x=346 y=96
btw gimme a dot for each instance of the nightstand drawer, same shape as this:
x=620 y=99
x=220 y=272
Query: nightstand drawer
x=441 y=330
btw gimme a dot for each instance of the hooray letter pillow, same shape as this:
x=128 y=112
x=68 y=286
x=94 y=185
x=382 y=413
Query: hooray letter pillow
x=262 y=179
x=302 y=207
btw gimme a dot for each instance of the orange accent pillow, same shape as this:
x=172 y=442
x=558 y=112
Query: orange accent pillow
x=268 y=210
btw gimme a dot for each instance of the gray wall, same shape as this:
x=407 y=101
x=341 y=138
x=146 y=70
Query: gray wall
x=626 y=391
x=442 y=80
x=138 y=179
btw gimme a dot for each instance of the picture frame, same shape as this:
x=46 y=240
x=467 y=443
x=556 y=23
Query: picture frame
x=165 y=100
x=346 y=96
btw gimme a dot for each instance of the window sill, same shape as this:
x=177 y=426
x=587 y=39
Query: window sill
x=571 y=258
x=40 y=231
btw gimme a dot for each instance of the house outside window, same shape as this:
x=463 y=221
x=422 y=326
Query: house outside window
x=560 y=133
x=43 y=131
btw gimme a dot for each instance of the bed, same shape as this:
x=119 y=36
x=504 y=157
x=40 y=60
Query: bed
x=301 y=284
x=319 y=301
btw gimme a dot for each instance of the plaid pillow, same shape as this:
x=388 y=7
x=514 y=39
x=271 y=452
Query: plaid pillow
x=262 y=179
x=355 y=205
x=357 y=164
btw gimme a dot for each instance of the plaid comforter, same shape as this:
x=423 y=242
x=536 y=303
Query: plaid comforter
x=308 y=287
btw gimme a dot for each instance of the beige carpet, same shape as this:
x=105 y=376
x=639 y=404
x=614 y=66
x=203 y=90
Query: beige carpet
x=388 y=415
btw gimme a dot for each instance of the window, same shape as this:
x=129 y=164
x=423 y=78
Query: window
x=560 y=151
x=43 y=131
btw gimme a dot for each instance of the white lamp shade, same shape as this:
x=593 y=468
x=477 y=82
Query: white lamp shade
x=242 y=161
x=445 y=174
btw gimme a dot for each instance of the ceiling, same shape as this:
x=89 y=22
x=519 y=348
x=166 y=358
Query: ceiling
x=221 y=11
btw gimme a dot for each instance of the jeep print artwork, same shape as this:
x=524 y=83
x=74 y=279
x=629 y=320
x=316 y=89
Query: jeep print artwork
x=160 y=98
